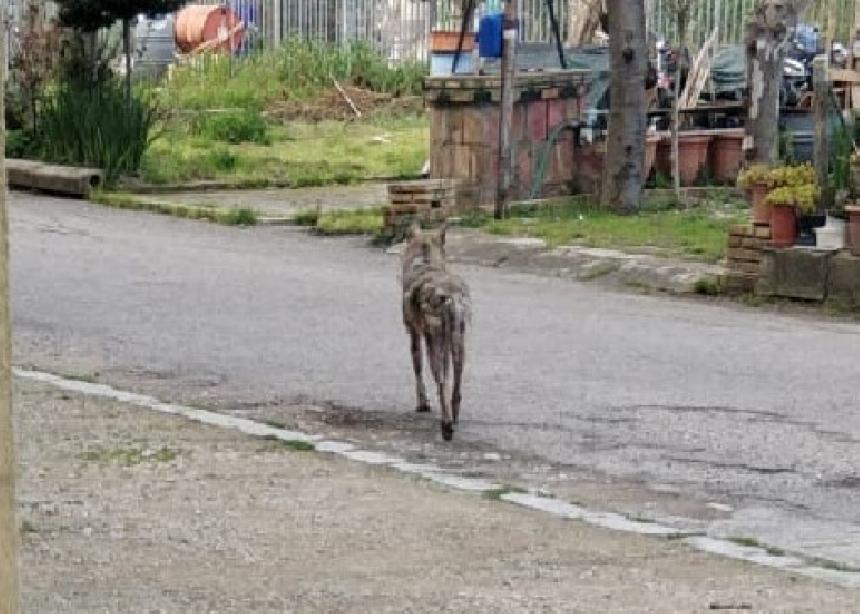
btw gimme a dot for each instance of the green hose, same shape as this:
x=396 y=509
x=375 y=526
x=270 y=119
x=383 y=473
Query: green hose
x=539 y=170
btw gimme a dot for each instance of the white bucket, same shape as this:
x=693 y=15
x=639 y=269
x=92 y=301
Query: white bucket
x=831 y=235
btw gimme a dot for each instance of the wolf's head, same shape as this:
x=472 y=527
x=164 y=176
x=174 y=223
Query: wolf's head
x=423 y=249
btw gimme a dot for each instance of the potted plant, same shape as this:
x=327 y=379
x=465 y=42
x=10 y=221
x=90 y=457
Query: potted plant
x=787 y=201
x=756 y=181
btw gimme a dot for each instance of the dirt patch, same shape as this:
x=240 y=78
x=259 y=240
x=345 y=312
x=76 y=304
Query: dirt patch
x=333 y=105
x=231 y=523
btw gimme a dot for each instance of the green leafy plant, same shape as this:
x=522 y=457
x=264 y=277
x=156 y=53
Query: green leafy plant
x=757 y=174
x=95 y=126
x=803 y=197
x=792 y=176
x=238 y=126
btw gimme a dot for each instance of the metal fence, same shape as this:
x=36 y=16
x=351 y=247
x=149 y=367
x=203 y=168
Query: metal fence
x=400 y=28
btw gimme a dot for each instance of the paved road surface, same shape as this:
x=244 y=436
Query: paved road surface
x=752 y=405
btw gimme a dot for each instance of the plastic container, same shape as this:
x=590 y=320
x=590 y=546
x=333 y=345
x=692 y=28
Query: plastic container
x=198 y=24
x=490 y=35
x=832 y=235
x=442 y=64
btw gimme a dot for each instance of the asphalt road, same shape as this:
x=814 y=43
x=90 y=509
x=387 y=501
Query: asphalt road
x=717 y=399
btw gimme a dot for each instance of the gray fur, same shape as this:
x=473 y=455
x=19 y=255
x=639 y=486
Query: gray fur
x=436 y=309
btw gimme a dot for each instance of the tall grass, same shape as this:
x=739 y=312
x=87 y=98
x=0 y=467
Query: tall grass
x=95 y=126
x=296 y=70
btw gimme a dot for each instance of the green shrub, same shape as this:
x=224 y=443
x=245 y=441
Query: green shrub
x=297 y=70
x=20 y=144
x=95 y=126
x=239 y=126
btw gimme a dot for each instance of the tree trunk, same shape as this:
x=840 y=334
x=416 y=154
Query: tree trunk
x=623 y=173
x=768 y=37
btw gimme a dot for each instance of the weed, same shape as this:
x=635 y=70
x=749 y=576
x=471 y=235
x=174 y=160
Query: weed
x=698 y=234
x=95 y=126
x=306 y=217
x=128 y=457
x=496 y=494
x=301 y=68
x=299 y=154
x=275 y=443
x=238 y=217
x=82 y=377
x=239 y=126
x=350 y=222
x=228 y=217
x=707 y=286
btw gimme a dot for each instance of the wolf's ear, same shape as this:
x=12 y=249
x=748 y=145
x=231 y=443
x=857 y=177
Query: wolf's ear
x=414 y=231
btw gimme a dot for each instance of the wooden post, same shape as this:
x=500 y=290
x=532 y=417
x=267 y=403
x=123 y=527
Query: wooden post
x=8 y=525
x=509 y=71
x=821 y=87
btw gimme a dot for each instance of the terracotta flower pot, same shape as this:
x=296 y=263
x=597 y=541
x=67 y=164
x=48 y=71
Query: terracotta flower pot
x=761 y=210
x=727 y=154
x=783 y=226
x=445 y=41
x=853 y=229
x=692 y=156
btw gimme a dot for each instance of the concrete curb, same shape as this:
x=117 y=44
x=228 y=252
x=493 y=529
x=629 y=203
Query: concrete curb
x=65 y=180
x=534 y=500
x=614 y=267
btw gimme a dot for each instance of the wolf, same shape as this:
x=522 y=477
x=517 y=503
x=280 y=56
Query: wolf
x=436 y=312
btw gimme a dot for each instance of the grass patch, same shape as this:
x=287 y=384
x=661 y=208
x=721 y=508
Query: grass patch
x=746 y=542
x=82 y=377
x=299 y=154
x=275 y=444
x=227 y=216
x=496 y=494
x=297 y=69
x=750 y=542
x=699 y=234
x=338 y=222
x=128 y=457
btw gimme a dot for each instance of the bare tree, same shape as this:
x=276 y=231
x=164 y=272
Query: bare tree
x=623 y=175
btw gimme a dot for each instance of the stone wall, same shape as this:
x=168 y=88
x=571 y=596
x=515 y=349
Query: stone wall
x=465 y=131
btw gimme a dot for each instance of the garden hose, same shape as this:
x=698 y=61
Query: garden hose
x=539 y=170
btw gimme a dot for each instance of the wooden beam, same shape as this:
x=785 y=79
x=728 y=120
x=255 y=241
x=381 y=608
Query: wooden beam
x=8 y=525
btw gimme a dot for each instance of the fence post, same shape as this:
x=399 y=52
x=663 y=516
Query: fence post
x=509 y=71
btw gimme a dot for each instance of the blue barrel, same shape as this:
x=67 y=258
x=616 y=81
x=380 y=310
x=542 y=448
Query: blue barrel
x=490 y=35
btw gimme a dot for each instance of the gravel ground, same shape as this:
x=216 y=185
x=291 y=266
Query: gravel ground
x=124 y=510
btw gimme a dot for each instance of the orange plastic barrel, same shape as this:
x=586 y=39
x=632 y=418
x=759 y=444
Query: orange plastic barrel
x=197 y=24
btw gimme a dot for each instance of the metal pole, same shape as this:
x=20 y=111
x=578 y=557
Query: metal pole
x=509 y=59
x=8 y=526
